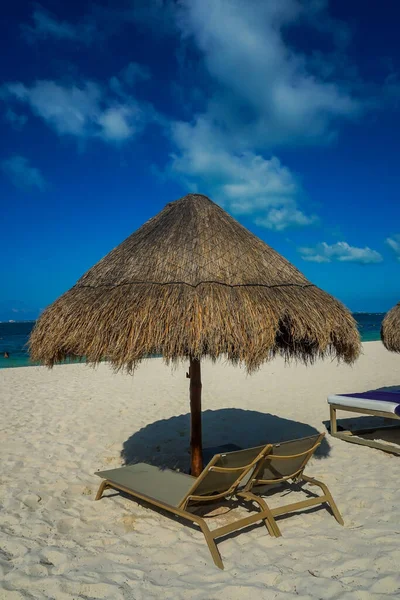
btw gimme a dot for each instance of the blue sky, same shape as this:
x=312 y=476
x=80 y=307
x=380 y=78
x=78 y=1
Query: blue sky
x=285 y=113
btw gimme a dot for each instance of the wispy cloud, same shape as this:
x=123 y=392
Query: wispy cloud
x=85 y=110
x=262 y=95
x=259 y=93
x=17 y=121
x=22 y=174
x=134 y=72
x=129 y=76
x=342 y=252
x=285 y=97
x=157 y=17
x=119 y=122
x=286 y=216
x=45 y=26
x=244 y=182
x=394 y=244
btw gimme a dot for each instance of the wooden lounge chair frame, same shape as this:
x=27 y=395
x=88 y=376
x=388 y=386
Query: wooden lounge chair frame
x=352 y=436
x=271 y=463
x=192 y=500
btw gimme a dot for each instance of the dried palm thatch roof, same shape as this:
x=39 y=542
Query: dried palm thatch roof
x=194 y=282
x=390 y=330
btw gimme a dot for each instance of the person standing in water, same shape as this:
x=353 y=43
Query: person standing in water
x=6 y=354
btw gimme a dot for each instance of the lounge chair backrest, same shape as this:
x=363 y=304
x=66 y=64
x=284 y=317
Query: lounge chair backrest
x=225 y=473
x=285 y=460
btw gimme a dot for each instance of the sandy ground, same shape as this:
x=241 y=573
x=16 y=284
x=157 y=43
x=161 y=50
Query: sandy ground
x=58 y=427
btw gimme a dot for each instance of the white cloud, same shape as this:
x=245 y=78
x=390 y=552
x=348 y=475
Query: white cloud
x=68 y=110
x=287 y=216
x=342 y=252
x=245 y=183
x=47 y=26
x=22 y=174
x=394 y=243
x=119 y=123
x=262 y=95
x=265 y=92
x=83 y=111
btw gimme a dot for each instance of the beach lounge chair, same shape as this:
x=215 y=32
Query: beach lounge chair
x=375 y=402
x=180 y=494
x=285 y=464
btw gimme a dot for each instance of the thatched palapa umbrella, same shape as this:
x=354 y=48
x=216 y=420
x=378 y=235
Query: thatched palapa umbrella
x=193 y=282
x=390 y=330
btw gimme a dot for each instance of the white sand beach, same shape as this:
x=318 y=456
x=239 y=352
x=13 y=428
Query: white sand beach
x=58 y=427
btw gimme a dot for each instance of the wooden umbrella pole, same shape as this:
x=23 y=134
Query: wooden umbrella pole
x=196 y=451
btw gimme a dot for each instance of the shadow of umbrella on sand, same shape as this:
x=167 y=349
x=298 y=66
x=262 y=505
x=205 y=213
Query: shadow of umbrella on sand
x=192 y=282
x=162 y=443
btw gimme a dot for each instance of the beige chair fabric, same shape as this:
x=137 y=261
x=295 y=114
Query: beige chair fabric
x=225 y=476
x=285 y=464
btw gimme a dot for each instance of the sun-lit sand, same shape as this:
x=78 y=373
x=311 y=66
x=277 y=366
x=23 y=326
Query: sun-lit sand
x=59 y=426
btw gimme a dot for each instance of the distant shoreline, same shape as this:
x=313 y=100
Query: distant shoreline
x=357 y=312
x=82 y=362
x=14 y=337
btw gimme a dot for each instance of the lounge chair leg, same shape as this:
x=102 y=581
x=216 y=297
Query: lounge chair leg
x=333 y=420
x=334 y=508
x=328 y=496
x=211 y=544
x=103 y=486
x=269 y=520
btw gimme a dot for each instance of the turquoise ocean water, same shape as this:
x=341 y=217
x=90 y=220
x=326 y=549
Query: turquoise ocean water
x=14 y=338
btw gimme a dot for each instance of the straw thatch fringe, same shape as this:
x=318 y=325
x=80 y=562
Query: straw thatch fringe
x=390 y=330
x=193 y=282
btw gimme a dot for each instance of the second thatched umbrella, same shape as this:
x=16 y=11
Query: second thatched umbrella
x=193 y=282
x=390 y=330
